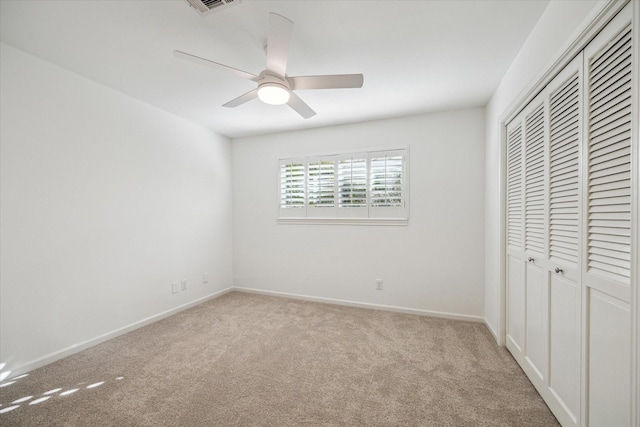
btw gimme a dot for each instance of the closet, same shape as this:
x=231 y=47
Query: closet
x=569 y=182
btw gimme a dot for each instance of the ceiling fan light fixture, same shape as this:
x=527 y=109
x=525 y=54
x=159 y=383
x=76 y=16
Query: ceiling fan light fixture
x=274 y=86
x=273 y=94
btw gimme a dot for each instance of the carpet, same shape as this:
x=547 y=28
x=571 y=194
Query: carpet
x=253 y=360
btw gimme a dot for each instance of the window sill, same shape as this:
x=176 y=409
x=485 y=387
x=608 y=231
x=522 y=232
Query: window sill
x=344 y=221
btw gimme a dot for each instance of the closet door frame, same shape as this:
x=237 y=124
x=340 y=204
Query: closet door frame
x=596 y=21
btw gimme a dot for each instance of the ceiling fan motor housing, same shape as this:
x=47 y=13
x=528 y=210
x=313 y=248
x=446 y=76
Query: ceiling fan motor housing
x=268 y=78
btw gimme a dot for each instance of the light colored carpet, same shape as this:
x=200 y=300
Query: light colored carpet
x=253 y=360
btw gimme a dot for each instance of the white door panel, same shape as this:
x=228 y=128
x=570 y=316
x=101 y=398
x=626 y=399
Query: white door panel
x=516 y=302
x=564 y=343
x=609 y=361
x=536 y=328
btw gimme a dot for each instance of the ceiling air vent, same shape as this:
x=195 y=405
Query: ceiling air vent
x=207 y=6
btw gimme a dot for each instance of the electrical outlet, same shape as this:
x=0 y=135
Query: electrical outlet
x=175 y=288
x=205 y=278
x=379 y=284
x=184 y=284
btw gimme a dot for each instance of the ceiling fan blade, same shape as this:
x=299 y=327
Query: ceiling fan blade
x=202 y=61
x=278 y=41
x=242 y=98
x=300 y=107
x=336 y=81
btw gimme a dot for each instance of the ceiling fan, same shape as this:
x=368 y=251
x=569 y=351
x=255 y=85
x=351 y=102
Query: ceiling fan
x=273 y=85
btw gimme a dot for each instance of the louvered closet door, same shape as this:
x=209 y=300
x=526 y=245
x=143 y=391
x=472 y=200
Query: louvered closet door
x=535 y=206
x=564 y=179
x=569 y=236
x=515 y=238
x=526 y=230
x=550 y=192
x=607 y=261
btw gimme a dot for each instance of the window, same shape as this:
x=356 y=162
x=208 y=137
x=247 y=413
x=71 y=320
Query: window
x=321 y=177
x=352 y=182
x=365 y=187
x=386 y=194
x=292 y=184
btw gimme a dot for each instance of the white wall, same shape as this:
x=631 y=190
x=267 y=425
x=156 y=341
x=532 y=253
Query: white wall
x=435 y=263
x=559 y=25
x=104 y=201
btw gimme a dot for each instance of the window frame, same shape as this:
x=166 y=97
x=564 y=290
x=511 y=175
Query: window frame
x=367 y=215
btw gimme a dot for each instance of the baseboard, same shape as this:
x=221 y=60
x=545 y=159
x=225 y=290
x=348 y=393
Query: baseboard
x=405 y=310
x=490 y=328
x=52 y=357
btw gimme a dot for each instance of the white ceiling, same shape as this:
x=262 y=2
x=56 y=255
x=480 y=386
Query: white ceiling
x=416 y=56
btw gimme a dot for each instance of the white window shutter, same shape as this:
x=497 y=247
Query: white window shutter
x=564 y=171
x=292 y=179
x=321 y=187
x=534 y=198
x=514 y=187
x=386 y=184
x=352 y=186
x=368 y=187
x=609 y=160
x=386 y=181
x=321 y=179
